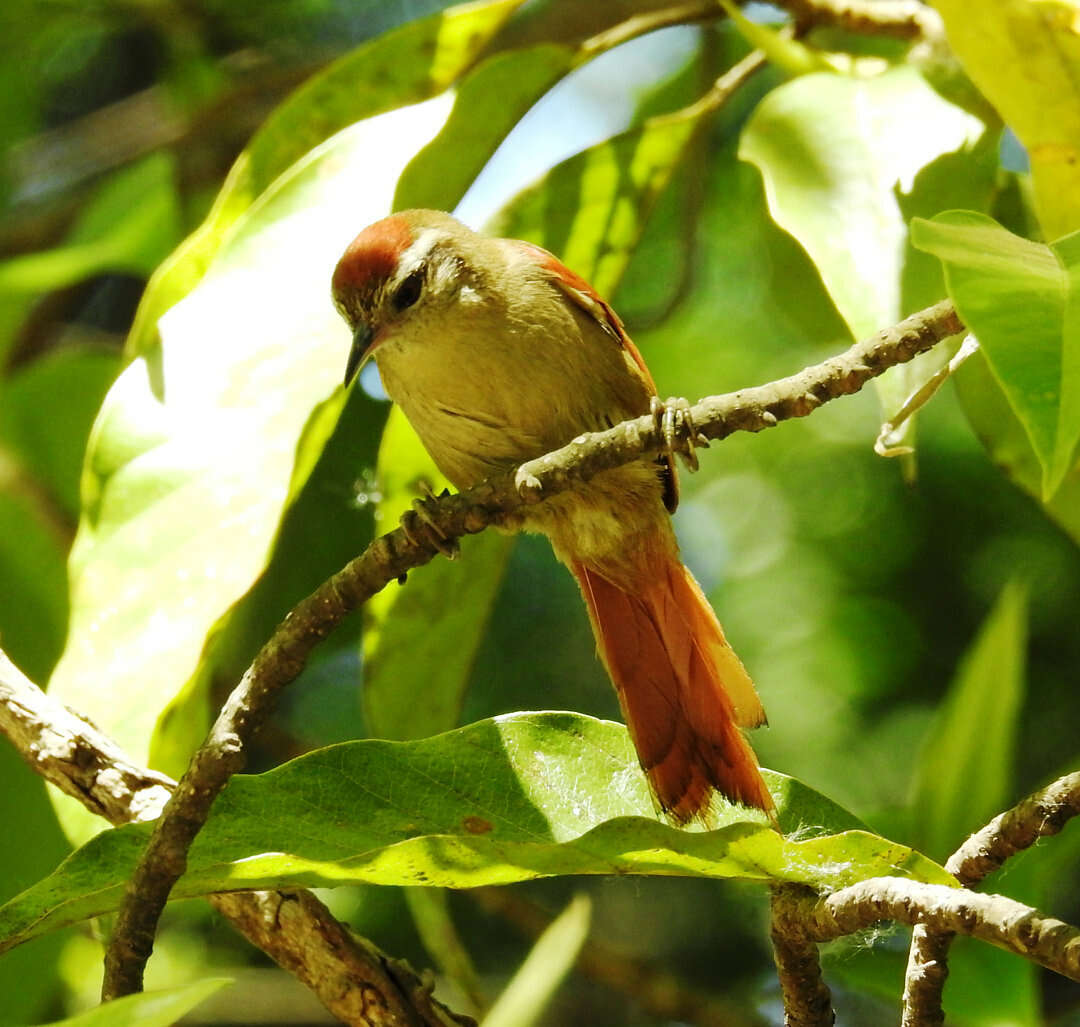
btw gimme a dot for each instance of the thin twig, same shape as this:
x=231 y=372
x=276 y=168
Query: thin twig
x=807 y=1001
x=1041 y=814
x=388 y=558
x=349 y=975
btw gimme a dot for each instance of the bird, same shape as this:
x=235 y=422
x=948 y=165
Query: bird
x=497 y=353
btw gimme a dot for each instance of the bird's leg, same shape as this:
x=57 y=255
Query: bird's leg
x=421 y=528
x=675 y=423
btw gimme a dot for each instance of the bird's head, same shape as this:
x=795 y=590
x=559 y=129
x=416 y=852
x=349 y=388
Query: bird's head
x=395 y=273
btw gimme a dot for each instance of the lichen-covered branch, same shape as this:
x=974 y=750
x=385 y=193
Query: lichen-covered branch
x=350 y=976
x=995 y=919
x=807 y=1001
x=72 y=754
x=1041 y=814
x=1044 y=813
x=390 y=557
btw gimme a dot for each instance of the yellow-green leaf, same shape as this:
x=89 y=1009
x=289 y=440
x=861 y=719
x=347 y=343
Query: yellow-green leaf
x=1024 y=55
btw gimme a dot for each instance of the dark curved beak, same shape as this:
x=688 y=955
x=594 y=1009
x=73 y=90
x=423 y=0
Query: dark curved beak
x=361 y=340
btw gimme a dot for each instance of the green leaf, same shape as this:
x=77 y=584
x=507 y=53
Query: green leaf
x=999 y=429
x=591 y=209
x=405 y=66
x=148 y=1008
x=130 y=225
x=1020 y=300
x=834 y=152
x=489 y=102
x=420 y=640
x=1023 y=55
x=29 y=978
x=965 y=776
x=509 y=799
x=33 y=576
x=184 y=494
x=552 y=957
x=73 y=379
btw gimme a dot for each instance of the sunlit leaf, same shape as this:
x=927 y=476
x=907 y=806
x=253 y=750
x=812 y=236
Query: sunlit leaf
x=965 y=774
x=420 y=640
x=405 y=66
x=1021 y=300
x=184 y=494
x=834 y=151
x=1023 y=56
x=518 y=797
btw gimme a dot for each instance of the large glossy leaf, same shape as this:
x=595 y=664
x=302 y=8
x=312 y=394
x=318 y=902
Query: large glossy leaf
x=834 y=151
x=965 y=775
x=509 y=799
x=405 y=66
x=1021 y=299
x=184 y=494
x=1023 y=55
x=420 y=640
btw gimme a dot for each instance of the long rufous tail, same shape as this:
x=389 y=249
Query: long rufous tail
x=683 y=691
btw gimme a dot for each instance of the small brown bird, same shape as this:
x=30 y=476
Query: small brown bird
x=497 y=353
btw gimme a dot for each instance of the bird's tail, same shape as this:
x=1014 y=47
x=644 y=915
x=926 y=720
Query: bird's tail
x=683 y=691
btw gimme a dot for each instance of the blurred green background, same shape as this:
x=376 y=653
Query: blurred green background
x=851 y=589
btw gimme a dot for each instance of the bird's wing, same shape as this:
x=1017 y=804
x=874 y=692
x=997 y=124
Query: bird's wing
x=582 y=294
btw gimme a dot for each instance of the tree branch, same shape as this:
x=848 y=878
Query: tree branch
x=996 y=919
x=807 y=1001
x=351 y=977
x=390 y=557
x=1041 y=814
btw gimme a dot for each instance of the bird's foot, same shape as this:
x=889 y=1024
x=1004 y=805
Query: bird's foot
x=421 y=527
x=675 y=423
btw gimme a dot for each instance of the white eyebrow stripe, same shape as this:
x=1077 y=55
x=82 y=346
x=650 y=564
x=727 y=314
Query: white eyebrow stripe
x=418 y=252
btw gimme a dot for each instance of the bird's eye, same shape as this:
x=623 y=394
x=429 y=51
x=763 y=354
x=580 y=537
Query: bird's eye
x=409 y=291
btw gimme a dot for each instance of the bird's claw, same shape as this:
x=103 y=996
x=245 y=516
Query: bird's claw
x=675 y=423
x=421 y=527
